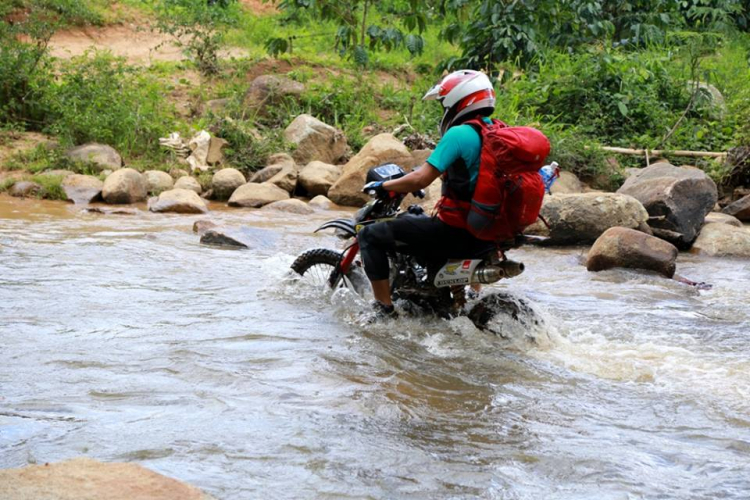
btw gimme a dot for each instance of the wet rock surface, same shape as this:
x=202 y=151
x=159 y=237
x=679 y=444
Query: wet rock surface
x=24 y=189
x=292 y=206
x=677 y=200
x=628 y=248
x=723 y=240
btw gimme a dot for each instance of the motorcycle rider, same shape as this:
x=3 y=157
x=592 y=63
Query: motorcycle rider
x=464 y=95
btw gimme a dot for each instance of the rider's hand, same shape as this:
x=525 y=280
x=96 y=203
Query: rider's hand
x=420 y=194
x=375 y=188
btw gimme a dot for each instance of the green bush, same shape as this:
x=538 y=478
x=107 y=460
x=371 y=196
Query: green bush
x=98 y=98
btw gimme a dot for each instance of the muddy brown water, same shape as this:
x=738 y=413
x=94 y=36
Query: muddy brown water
x=123 y=339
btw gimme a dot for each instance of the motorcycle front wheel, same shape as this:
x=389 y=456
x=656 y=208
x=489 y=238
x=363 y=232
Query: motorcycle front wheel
x=320 y=267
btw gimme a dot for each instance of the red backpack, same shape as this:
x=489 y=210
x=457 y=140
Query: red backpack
x=509 y=190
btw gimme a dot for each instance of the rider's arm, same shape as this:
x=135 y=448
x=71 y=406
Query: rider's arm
x=414 y=180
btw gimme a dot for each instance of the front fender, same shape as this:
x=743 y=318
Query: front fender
x=345 y=228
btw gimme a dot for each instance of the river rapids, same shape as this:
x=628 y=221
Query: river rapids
x=124 y=339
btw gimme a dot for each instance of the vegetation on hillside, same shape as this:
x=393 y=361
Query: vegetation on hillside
x=646 y=74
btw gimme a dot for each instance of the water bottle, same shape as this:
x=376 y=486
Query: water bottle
x=549 y=174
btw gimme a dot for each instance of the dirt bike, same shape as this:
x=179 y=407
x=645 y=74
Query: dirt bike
x=421 y=285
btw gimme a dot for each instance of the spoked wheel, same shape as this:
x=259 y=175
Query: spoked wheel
x=320 y=267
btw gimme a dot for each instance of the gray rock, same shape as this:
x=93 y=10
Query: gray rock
x=201 y=226
x=234 y=237
x=225 y=182
x=124 y=186
x=178 y=201
x=582 y=218
x=568 y=183
x=677 y=200
x=266 y=173
x=112 y=211
x=24 y=189
x=257 y=195
x=286 y=177
x=623 y=247
x=188 y=183
x=723 y=240
x=157 y=181
x=315 y=140
x=82 y=189
x=216 y=151
x=216 y=106
x=739 y=209
x=317 y=177
x=101 y=156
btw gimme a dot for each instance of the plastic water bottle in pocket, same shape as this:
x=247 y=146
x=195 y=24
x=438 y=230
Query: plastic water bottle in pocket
x=550 y=174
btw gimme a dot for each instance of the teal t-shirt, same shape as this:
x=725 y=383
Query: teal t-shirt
x=461 y=141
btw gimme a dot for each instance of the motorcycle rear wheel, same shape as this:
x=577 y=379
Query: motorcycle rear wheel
x=321 y=267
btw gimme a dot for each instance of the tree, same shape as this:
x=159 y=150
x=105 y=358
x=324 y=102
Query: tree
x=355 y=36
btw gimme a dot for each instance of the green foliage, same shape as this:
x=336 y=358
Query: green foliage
x=199 y=27
x=51 y=187
x=100 y=99
x=491 y=32
x=355 y=36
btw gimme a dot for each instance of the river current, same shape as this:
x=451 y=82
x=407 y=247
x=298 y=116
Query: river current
x=124 y=339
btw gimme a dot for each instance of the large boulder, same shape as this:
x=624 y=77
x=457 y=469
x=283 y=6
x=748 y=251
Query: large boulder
x=225 y=182
x=257 y=195
x=82 y=189
x=739 y=209
x=420 y=156
x=315 y=140
x=623 y=247
x=25 y=189
x=157 y=181
x=101 y=156
x=124 y=186
x=216 y=147
x=86 y=479
x=266 y=173
x=272 y=89
x=677 y=200
x=723 y=240
x=178 y=201
x=286 y=176
x=567 y=183
x=582 y=218
x=317 y=177
x=292 y=206
x=188 y=183
x=383 y=148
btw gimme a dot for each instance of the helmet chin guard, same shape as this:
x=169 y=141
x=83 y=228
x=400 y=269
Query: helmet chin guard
x=462 y=93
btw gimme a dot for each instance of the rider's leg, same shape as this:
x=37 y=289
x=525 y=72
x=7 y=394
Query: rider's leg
x=381 y=289
x=375 y=241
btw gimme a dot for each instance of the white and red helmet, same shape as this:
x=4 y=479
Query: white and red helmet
x=462 y=93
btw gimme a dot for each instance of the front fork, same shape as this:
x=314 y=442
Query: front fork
x=345 y=264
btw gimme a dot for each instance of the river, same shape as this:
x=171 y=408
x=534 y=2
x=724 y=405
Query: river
x=124 y=339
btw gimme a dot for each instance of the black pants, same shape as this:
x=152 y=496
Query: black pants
x=426 y=237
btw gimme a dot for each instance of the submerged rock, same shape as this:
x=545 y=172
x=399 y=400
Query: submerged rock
x=677 y=200
x=582 y=218
x=235 y=237
x=82 y=189
x=178 y=201
x=623 y=247
x=86 y=479
x=101 y=156
x=257 y=195
x=112 y=211
x=723 y=240
x=124 y=186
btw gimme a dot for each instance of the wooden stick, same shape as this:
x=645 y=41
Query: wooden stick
x=659 y=152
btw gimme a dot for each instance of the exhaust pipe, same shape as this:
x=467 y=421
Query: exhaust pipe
x=495 y=272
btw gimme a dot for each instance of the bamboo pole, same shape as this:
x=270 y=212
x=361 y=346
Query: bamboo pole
x=659 y=152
